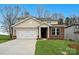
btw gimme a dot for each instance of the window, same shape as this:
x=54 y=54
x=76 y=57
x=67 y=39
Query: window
x=53 y=31
x=58 y=31
x=77 y=27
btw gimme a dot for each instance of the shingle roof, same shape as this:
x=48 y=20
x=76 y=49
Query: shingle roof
x=24 y=19
x=45 y=19
x=73 y=25
x=42 y=19
x=57 y=25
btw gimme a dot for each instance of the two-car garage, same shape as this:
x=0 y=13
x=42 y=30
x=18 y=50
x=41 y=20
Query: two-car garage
x=26 y=28
x=30 y=33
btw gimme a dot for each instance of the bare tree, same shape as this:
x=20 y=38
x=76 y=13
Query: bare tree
x=61 y=18
x=55 y=16
x=9 y=15
x=74 y=19
x=61 y=21
x=40 y=11
x=47 y=14
x=67 y=19
x=25 y=13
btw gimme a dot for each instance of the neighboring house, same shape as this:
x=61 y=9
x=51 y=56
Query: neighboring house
x=32 y=27
x=72 y=32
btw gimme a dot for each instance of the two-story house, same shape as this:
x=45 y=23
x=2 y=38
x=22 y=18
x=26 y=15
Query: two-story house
x=31 y=27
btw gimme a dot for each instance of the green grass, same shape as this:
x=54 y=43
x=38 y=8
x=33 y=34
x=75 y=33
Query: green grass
x=54 y=47
x=4 y=38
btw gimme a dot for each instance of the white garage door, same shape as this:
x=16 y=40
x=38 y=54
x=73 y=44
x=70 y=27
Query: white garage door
x=27 y=34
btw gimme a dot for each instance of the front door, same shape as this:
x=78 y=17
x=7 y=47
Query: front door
x=44 y=32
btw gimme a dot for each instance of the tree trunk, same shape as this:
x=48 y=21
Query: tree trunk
x=10 y=36
x=11 y=32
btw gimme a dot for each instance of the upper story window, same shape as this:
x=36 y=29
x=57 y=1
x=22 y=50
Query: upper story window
x=77 y=27
x=49 y=21
x=54 y=22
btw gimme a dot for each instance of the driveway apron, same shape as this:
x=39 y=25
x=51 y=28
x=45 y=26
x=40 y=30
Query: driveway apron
x=18 y=47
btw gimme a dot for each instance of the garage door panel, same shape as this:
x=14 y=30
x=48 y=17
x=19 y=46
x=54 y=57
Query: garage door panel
x=28 y=33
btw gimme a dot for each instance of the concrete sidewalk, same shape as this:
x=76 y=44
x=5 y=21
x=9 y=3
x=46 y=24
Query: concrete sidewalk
x=18 y=47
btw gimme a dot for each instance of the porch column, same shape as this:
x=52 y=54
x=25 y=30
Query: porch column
x=48 y=32
x=39 y=32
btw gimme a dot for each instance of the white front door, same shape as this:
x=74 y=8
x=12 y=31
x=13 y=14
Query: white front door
x=27 y=34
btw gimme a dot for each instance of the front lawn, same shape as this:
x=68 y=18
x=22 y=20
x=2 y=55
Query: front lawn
x=4 y=38
x=54 y=47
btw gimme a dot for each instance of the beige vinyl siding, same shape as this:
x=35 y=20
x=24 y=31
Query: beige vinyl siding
x=29 y=23
x=54 y=22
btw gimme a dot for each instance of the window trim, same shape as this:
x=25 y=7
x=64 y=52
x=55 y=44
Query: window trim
x=59 y=31
x=52 y=31
x=56 y=31
x=77 y=27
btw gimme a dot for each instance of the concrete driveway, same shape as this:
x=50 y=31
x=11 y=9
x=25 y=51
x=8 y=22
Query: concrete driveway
x=18 y=47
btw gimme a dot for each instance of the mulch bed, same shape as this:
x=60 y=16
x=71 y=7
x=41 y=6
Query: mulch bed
x=75 y=46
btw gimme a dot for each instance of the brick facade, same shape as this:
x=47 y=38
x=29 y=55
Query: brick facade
x=60 y=36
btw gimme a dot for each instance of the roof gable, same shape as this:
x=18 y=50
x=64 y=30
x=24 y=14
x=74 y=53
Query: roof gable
x=44 y=25
x=26 y=19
